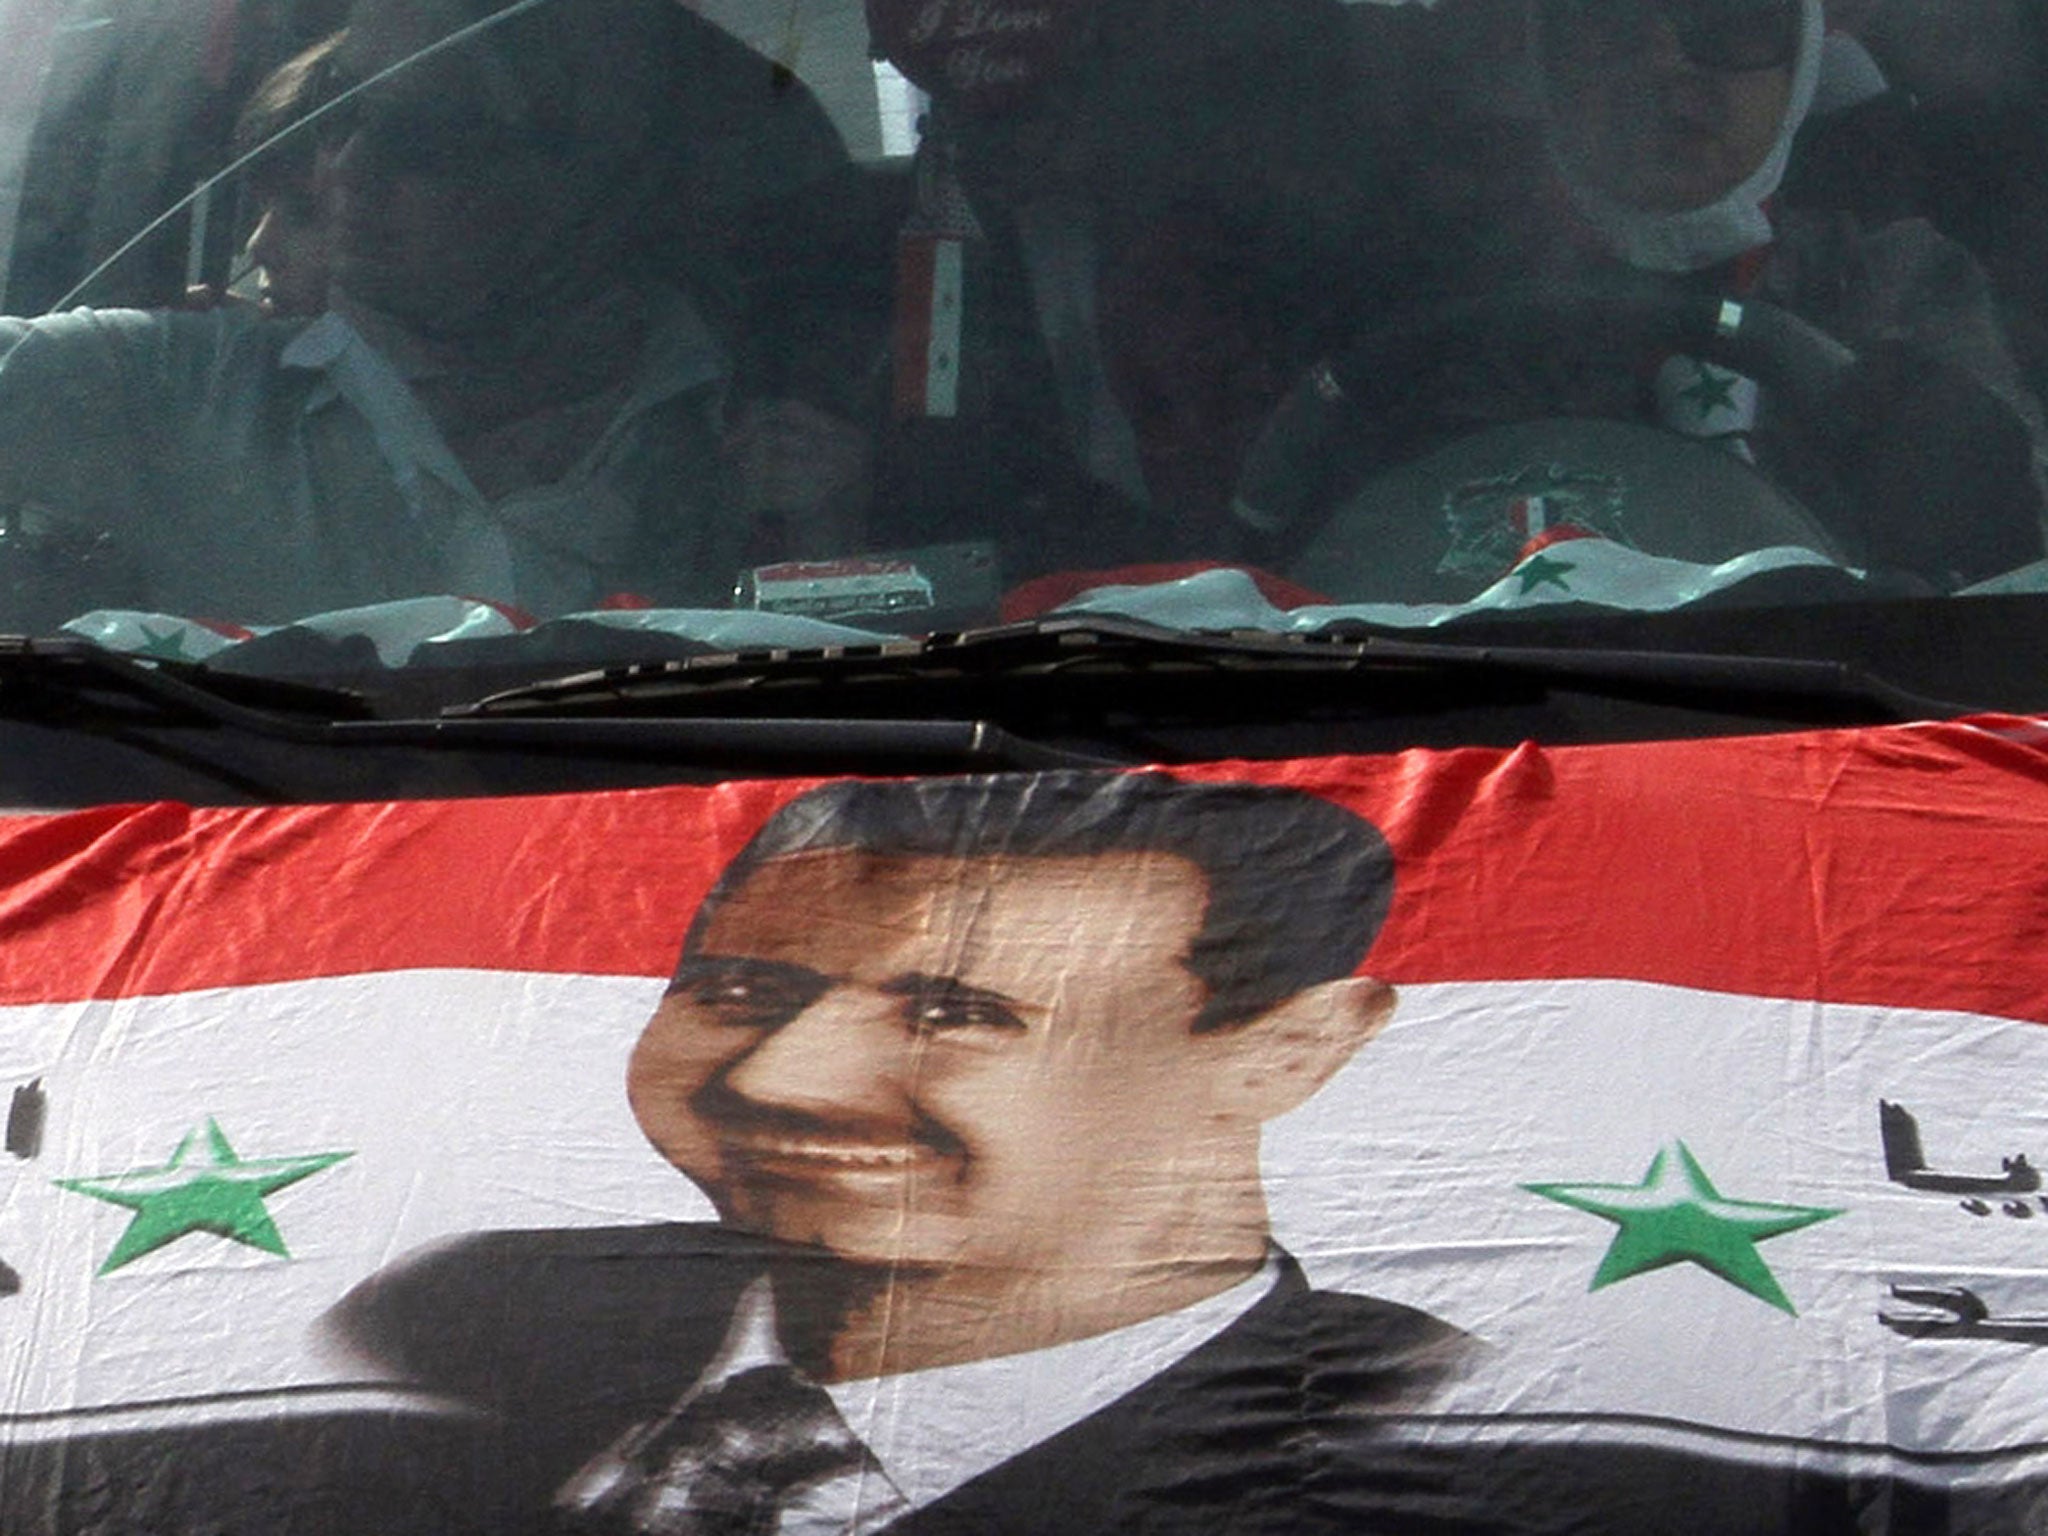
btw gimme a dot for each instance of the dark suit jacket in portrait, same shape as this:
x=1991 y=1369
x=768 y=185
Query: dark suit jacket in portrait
x=543 y=1346
x=565 y=1338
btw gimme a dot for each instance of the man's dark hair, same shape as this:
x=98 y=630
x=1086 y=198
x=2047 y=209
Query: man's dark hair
x=302 y=84
x=1298 y=886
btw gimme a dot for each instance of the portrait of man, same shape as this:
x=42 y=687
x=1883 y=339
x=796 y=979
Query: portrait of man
x=974 y=1073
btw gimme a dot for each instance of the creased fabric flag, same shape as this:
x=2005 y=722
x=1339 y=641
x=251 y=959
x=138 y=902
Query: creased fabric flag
x=1615 y=1139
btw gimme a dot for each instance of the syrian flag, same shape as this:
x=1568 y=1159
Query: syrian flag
x=1563 y=565
x=1709 y=1108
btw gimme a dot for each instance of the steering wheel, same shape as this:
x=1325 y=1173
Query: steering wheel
x=1319 y=489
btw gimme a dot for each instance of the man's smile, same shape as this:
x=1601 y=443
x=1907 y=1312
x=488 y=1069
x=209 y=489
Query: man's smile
x=809 y=1156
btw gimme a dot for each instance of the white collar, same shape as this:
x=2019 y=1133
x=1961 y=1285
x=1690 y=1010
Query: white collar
x=933 y=1430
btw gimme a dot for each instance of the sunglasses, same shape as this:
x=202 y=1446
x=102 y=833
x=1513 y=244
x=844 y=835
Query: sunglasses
x=1731 y=36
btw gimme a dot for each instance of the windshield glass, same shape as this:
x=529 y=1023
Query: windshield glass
x=792 y=321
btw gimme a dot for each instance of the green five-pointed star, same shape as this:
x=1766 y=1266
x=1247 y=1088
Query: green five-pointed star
x=169 y=645
x=1710 y=391
x=1677 y=1216
x=205 y=1187
x=1541 y=570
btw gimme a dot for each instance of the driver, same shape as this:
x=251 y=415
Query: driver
x=286 y=251
x=1668 y=128
x=1671 y=124
x=507 y=396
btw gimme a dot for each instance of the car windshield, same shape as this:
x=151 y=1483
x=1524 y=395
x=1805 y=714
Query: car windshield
x=802 y=322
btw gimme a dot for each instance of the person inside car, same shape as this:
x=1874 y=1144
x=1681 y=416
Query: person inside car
x=506 y=397
x=1672 y=125
x=287 y=247
x=1664 y=132
x=801 y=471
x=1119 y=234
x=286 y=252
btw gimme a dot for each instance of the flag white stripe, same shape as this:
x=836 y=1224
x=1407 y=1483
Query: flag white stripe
x=476 y=1100
x=942 y=355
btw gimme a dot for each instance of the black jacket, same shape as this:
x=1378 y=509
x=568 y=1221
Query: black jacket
x=1309 y=1416
x=565 y=1338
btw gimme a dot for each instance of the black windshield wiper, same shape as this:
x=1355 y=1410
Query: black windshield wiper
x=76 y=683
x=80 y=725
x=1102 y=656
x=84 y=682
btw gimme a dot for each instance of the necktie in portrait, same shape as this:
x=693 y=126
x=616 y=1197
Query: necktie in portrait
x=762 y=1453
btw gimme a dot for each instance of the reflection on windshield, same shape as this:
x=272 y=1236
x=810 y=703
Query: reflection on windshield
x=1401 y=312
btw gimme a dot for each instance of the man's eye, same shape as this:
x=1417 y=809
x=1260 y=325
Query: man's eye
x=932 y=1012
x=740 y=998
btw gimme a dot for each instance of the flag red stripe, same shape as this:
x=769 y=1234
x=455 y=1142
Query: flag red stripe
x=1904 y=867
x=916 y=256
